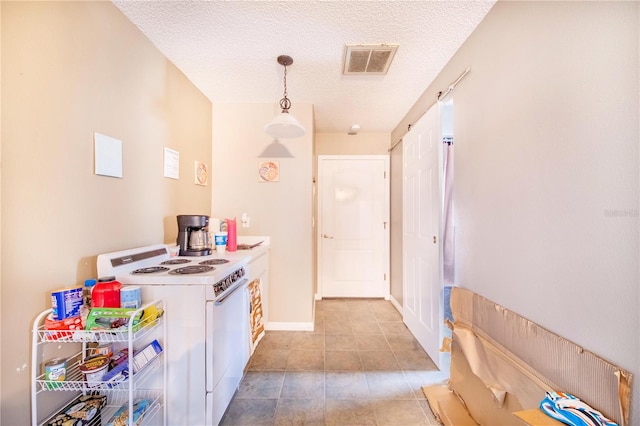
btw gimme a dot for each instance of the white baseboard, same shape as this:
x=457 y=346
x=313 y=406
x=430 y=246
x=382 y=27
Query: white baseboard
x=289 y=326
x=395 y=304
x=319 y=297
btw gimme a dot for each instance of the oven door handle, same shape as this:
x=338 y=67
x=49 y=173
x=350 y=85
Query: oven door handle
x=223 y=298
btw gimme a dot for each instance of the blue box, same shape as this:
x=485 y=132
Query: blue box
x=121 y=372
x=66 y=303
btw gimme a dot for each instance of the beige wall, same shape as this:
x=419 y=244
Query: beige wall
x=281 y=210
x=344 y=144
x=70 y=69
x=546 y=174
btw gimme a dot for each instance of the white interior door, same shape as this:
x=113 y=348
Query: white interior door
x=422 y=264
x=353 y=231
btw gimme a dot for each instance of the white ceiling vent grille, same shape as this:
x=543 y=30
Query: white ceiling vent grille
x=368 y=58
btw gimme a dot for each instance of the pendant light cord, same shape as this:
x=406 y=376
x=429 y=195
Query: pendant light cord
x=285 y=81
x=285 y=103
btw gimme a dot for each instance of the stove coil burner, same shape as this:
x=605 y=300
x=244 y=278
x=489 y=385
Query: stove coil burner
x=193 y=269
x=150 y=270
x=175 y=261
x=214 y=262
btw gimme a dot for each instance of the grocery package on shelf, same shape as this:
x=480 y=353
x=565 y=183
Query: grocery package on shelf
x=55 y=370
x=121 y=417
x=72 y=312
x=83 y=410
x=119 y=357
x=119 y=372
x=143 y=357
x=106 y=293
x=62 y=329
x=113 y=319
x=105 y=349
x=68 y=313
x=66 y=303
x=94 y=369
x=130 y=296
x=150 y=315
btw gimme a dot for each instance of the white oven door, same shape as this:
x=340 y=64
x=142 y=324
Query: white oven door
x=227 y=348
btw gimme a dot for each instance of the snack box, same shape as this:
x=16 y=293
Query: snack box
x=112 y=319
x=144 y=356
x=119 y=357
x=121 y=417
x=141 y=358
x=53 y=327
x=117 y=375
x=83 y=410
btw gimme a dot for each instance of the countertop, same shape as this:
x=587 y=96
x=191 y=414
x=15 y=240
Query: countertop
x=250 y=254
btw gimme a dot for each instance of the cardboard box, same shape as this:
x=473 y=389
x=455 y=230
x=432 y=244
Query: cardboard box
x=447 y=407
x=503 y=363
x=536 y=418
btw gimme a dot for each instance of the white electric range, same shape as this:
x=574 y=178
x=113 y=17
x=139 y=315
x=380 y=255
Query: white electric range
x=207 y=310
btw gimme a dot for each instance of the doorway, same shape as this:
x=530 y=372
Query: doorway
x=353 y=226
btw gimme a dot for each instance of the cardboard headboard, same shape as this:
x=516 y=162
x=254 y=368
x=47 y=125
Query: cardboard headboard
x=502 y=362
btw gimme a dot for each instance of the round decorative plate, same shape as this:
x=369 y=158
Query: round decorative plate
x=269 y=171
x=201 y=174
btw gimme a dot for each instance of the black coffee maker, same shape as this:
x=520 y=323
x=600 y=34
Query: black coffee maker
x=193 y=235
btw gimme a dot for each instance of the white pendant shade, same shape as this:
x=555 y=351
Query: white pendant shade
x=284 y=126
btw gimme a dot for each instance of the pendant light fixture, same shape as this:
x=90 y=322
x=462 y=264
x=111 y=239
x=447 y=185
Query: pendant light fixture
x=284 y=125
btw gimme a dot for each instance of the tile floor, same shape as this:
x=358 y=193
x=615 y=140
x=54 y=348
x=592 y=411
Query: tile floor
x=360 y=366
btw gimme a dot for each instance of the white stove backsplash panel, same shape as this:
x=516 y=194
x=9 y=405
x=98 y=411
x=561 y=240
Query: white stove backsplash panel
x=125 y=261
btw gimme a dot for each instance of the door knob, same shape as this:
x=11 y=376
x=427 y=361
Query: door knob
x=326 y=236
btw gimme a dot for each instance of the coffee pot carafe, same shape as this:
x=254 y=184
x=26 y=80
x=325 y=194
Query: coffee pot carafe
x=193 y=235
x=199 y=239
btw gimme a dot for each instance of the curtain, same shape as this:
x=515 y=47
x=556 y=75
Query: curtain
x=447 y=215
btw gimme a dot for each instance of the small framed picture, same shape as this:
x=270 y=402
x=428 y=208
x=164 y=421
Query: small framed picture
x=269 y=171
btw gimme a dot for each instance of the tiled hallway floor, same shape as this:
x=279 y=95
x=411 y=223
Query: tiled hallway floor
x=360 y=366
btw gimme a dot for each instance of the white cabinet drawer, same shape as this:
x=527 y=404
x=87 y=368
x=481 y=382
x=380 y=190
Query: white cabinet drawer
x=258 y=266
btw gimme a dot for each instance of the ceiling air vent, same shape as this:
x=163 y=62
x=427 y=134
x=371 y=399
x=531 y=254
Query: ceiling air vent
x=368 y=58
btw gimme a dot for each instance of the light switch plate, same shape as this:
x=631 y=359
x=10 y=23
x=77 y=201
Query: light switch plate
x=107 y=155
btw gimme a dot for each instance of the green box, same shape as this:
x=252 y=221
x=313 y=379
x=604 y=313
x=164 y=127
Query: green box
x=112 y=319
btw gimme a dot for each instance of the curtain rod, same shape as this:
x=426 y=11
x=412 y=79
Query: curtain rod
x=453 y=85
x=441 y=95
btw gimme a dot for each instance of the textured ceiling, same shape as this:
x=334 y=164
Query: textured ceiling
x=228 y=49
